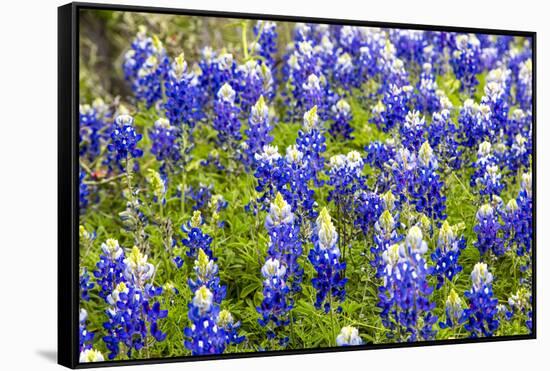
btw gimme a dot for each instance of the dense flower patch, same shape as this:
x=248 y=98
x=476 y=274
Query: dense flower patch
x=304 y=186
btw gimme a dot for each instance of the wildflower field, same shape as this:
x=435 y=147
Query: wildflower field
x=250 y=186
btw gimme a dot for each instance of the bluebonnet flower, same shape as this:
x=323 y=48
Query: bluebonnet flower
x=196 y=239
x=519 y=153
x=211 y=329
x=487 y=175
x=110 y=267
x=141 y=48
x=165 y=145
x=276 y=304
x=133 y=315
x=206 y=271
x=342 y=117
x=284 y=241
x=481 y=314
x=524 y=92
x=301 y=66
x=226 y=119
x=345 y=73
x=412 y=131
x=311 y=143
x=151 y=73
x=158 y=186
x=346 y=179
x=385 y=235
x=396 y=74
x=266 y=45
x=405 y=293
x=409 y=44
x=519 y=123
x=303 y=31
x=378 y=156
x=350 y=39
x=403 y=168
x=393 y=108
x=445 y=257
x=520 y=304
x=495 y=98
x=378 y=153
x=502 y=77
x=216 y=70
x=184 y=101
x=85 y=285
x=254 y=81
x=85 y=337
x=426 y=190
x=230 y=327
x=91 y=355
x=491 y=184
x=349 y=335
x=487 y=229
x=326 y=50
x=199 y=196
x=454 y=310
x=485 y=158
x=124 y=139
x=368 y=207
x=427 y=99
x=258 y=132
x=325 y=258
x=474 y=120
x=465 y=61
x=312 y=92
x=204 y=336
x=270 y=173
x=93 y=121
x=518 y=219
x=297 y=190
x=442 y=136
x=391 y=68
x=83 y=191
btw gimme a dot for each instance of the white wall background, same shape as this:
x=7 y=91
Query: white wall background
x=28 y=181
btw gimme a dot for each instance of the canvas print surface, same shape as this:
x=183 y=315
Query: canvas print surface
x=251 y=186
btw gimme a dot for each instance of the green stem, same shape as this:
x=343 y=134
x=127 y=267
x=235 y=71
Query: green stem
x=104 y=181
x=333 y=327
x=244 y=39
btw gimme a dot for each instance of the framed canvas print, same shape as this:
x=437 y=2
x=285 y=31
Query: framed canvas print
x=241 y=185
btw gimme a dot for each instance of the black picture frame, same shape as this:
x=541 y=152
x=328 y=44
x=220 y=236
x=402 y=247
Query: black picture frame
x=68 y=213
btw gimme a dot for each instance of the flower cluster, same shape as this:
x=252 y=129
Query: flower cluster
x=258 y=132
x=284 y=243
x=266 y=46
x=481 y=315
x=212 y=329
x=124 y=139
x=145 y=67
x=196 y=239
x=445 y=257
x=346 y=178
x=133 y=315
x=226 y=120
x=184 y=100
x=405 y=293
x=165 y=144
x=325 y=257
x=487 y=229
x=465 y=61
x=420 y=143
x=341 y=120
